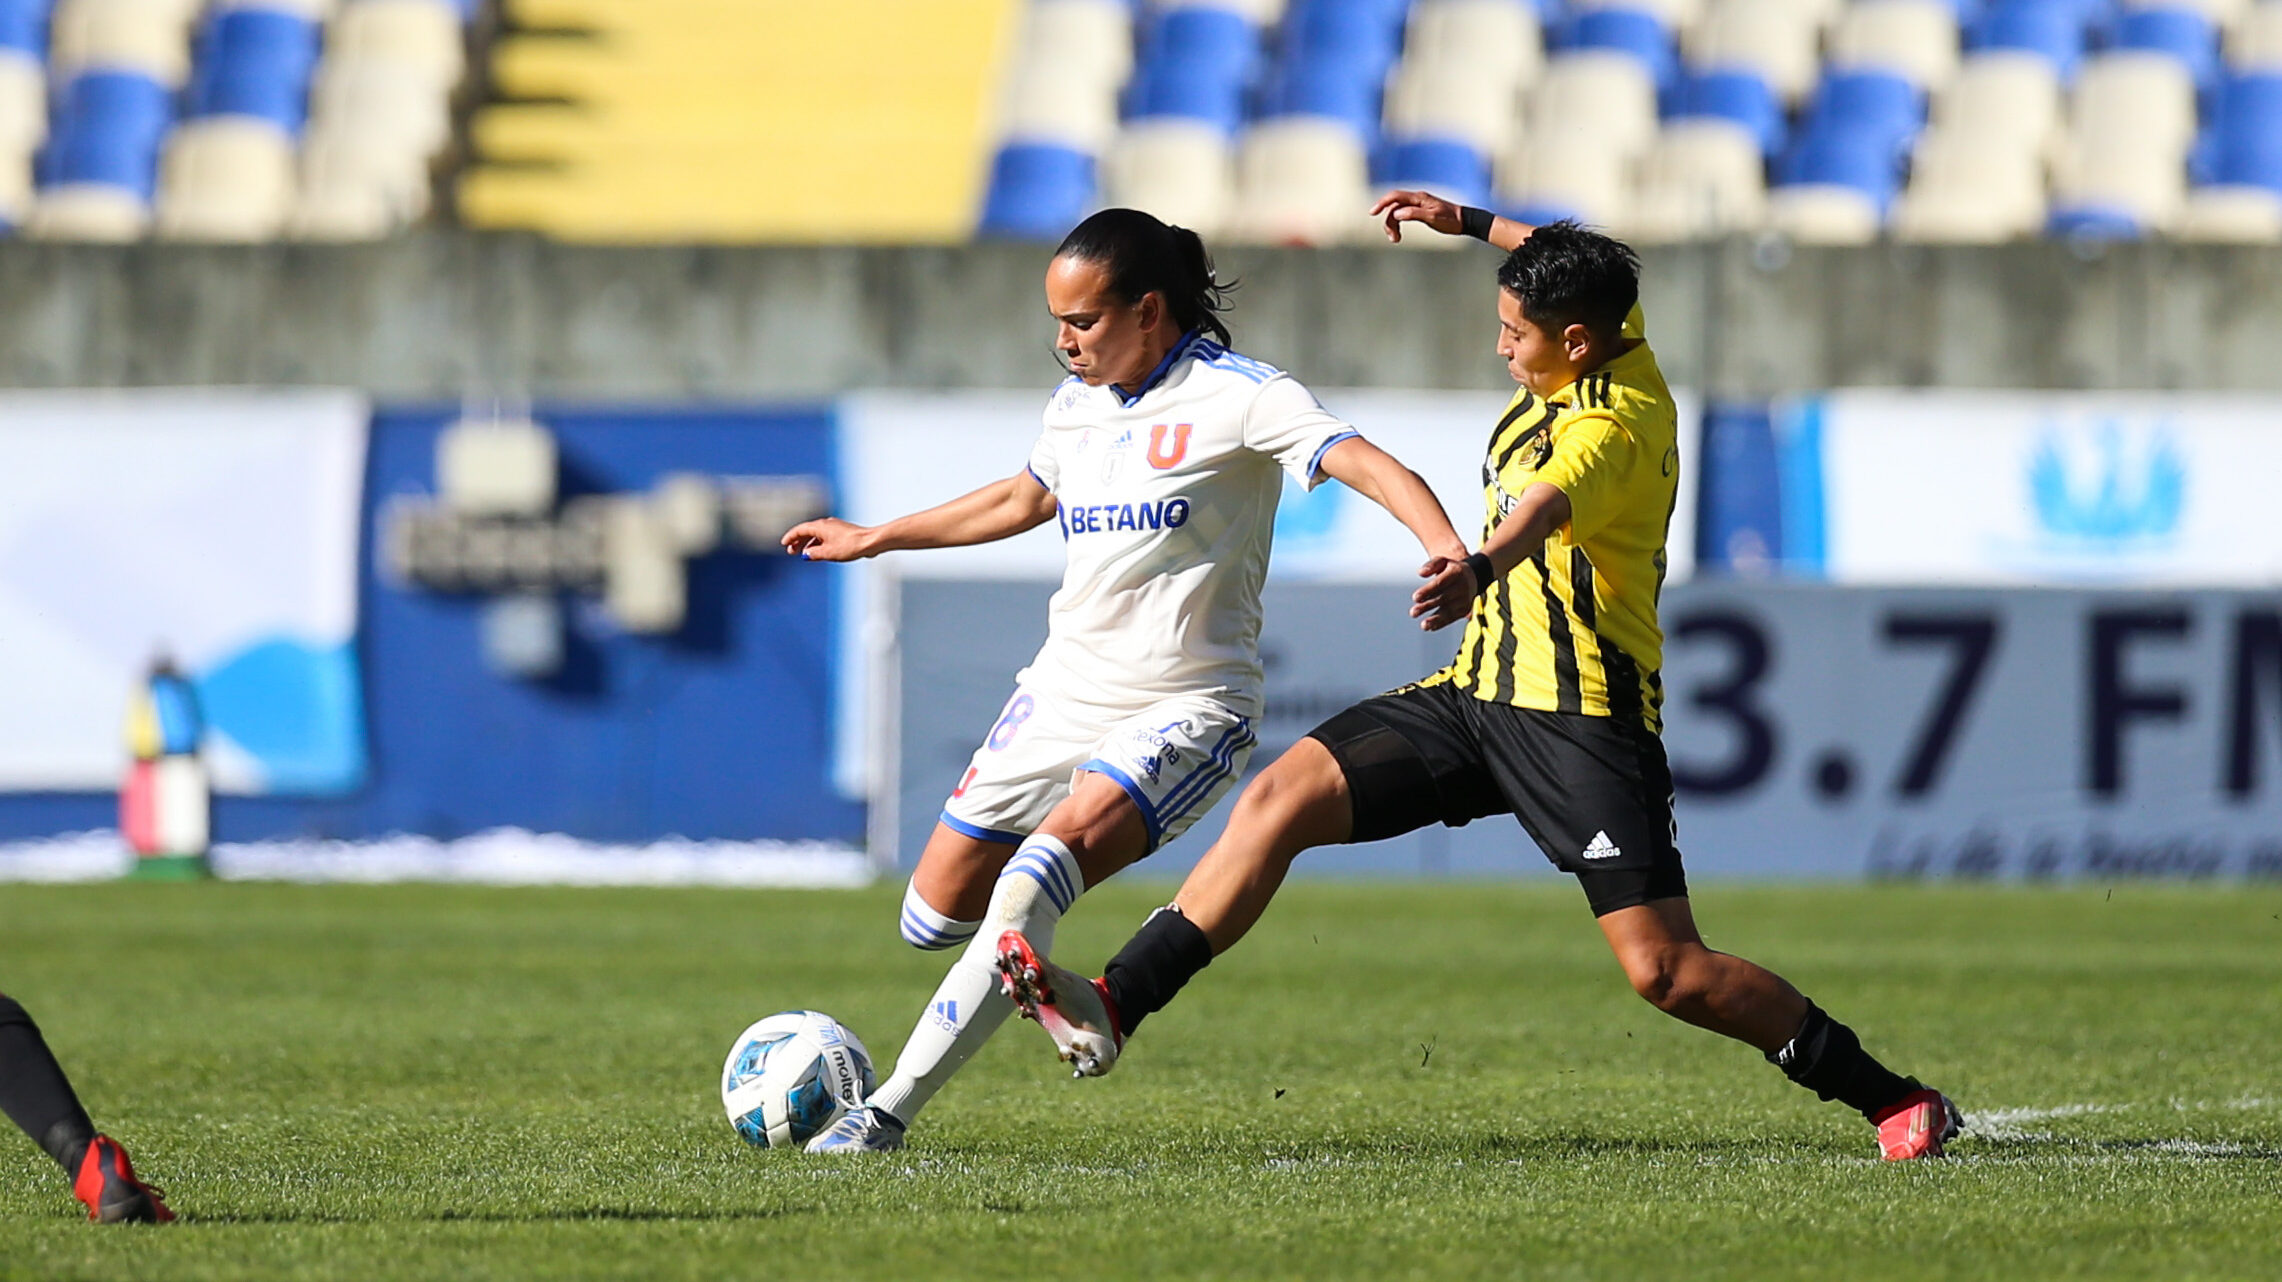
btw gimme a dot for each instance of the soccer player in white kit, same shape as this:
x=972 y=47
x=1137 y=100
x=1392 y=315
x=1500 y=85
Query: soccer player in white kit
x=1162 y=458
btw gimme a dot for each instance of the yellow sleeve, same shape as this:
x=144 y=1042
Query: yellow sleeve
x=1592 y=463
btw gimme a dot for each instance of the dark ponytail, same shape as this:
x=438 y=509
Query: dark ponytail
x=1143 y=255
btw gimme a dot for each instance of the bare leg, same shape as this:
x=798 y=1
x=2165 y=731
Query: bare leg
x=1296 y=804
x=1668 y=964
x=955 y=872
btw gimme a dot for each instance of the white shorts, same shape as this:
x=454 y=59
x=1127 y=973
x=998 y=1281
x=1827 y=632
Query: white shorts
x=1175 y=759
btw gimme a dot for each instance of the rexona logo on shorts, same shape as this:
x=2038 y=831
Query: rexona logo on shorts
x=1112 y=518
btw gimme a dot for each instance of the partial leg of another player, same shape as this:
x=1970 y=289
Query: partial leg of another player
x=1670 y=966
x=37 y=1097
x=1091 y=834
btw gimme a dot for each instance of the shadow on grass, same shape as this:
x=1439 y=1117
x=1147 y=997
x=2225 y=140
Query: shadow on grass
x=536 y=1215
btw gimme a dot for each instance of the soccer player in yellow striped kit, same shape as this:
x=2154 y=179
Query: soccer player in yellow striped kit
x=1550 y=711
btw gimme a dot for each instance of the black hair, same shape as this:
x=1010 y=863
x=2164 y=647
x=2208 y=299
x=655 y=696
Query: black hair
x=1565 y=275
x=1142 y=255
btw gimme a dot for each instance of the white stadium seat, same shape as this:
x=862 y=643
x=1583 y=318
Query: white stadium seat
x=314 y=10
x=1302 y=180
x=1179 y=170
x=1968 y=187
x=1822 y=214
x=2231 y=216
x=423 y=34
x=1605 y=93
x=1914 y=39
x=150 y=36
x=1095 y=35
x=1701 y=178
x=1572 y=172
x=1425 y=101
x=88 y=211
x=378 y=101
x=1775 y=39
x=226 y=178
x=2003 y=96
x=2255 y=43
x=2150 y=186
x=15 y=191
x=1496 y=40
x=353 y=191
x=1262 y=13
x=2130 y=99
x=1068 y=103
x=23 y=107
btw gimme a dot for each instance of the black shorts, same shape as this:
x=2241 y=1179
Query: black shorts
x=1596 y=794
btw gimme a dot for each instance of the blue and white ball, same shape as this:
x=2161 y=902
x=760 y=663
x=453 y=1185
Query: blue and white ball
x=791 y=1075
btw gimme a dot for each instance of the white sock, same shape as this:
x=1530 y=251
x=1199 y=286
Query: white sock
x=923 y=927
x=1037 y=886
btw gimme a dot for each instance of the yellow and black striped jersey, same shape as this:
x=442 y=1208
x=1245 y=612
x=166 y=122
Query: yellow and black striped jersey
x=1573 y=629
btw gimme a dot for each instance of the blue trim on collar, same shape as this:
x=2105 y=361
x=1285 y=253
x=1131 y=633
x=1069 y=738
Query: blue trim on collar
x=1156 y=375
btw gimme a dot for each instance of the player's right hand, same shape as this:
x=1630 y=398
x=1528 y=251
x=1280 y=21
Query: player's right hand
x=1399 y=207
x=827 y=539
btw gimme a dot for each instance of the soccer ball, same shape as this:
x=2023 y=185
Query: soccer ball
x=791 y=1075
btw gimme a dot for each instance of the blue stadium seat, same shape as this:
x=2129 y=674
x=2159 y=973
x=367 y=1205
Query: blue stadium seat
x=255 y=62
x=1216 y=43
x=1038 y=192
x=1192 y=94
x=24 y=27
x=2245 y=138
x=1448 y=168
x=1360 y=33
x=1862 y=158
x=1858 y=103
x=2053 y=29
x=1740 y=96
x=2182 y=33
x=1629 y=31
x=1325 y=86
x=2092 y=222
x=108 y=126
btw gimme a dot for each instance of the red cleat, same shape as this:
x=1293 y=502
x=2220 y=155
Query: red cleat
x=1917 y=1126
x=1075 y=1011
x=107 y=1183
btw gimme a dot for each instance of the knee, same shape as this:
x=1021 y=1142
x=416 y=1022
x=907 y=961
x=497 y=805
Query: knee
x=1286 y=802
x=1665 y=977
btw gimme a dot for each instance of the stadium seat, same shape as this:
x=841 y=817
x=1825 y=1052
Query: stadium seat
x=1215 y=42
x=1350 y=33
x=1738 y=96
x=15 y=193
x=2255 y=42
x=1594 y=92
x=1564 y=174
x=1334 y=86
x=378 y=101
x=1497 y=41
x=1093 y=38
x=1186 y=94
x=2246 y=132
x=255 y=62
x=1302 y=180
x=2003 y=95
x=2146 y=186
x=1426 y=102
x=2134 y=100
x=2222 y=14
x=1038 y=191
x=2183 y=34
x=226 y=178
x=1179 y=170
x=1673 y=15
x=1631 y=32
x=146 y=36
x=23 y=106
x=1452 y=169
x=88 y=211
x=24 y=28
x=1702 y=178
x=1914 y=39
x=107 y=128
x=1970 y=187
x=354 y=188
x=1831 y=155
x=2050 y=29
x=1865 y=102
x=427 y=34
x=1773 y=39
x=1065 y=102
x=2232 y=215
x=2092 y=222
x=1823 y=214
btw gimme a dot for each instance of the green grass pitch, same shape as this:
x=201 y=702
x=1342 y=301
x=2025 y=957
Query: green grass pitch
x=1386 y=1080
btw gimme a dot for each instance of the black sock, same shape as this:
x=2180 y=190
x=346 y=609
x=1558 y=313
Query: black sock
x=1164 y=954
x=34 y=1092
x=1827 y=1058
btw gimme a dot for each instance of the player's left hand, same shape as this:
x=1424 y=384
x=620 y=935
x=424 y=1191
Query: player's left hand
x=1447 y=596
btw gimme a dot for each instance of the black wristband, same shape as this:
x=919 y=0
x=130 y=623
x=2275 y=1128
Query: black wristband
x=1484 y=573
x=1475 y=222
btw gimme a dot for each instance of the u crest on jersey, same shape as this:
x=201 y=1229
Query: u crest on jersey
x=1162 y=458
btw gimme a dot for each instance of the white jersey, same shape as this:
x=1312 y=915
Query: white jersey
x=1168 y=502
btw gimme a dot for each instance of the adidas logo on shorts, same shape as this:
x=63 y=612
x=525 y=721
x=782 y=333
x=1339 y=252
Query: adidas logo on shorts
x=1602 y=848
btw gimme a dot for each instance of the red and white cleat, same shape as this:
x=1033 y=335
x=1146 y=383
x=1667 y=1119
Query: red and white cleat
x=1075 y=1011
x=1917 y=1126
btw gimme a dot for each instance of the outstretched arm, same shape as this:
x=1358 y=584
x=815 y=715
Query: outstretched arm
x=1374 y=474
x=1451 y=585
x=996 y=511
x=1431 y=211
